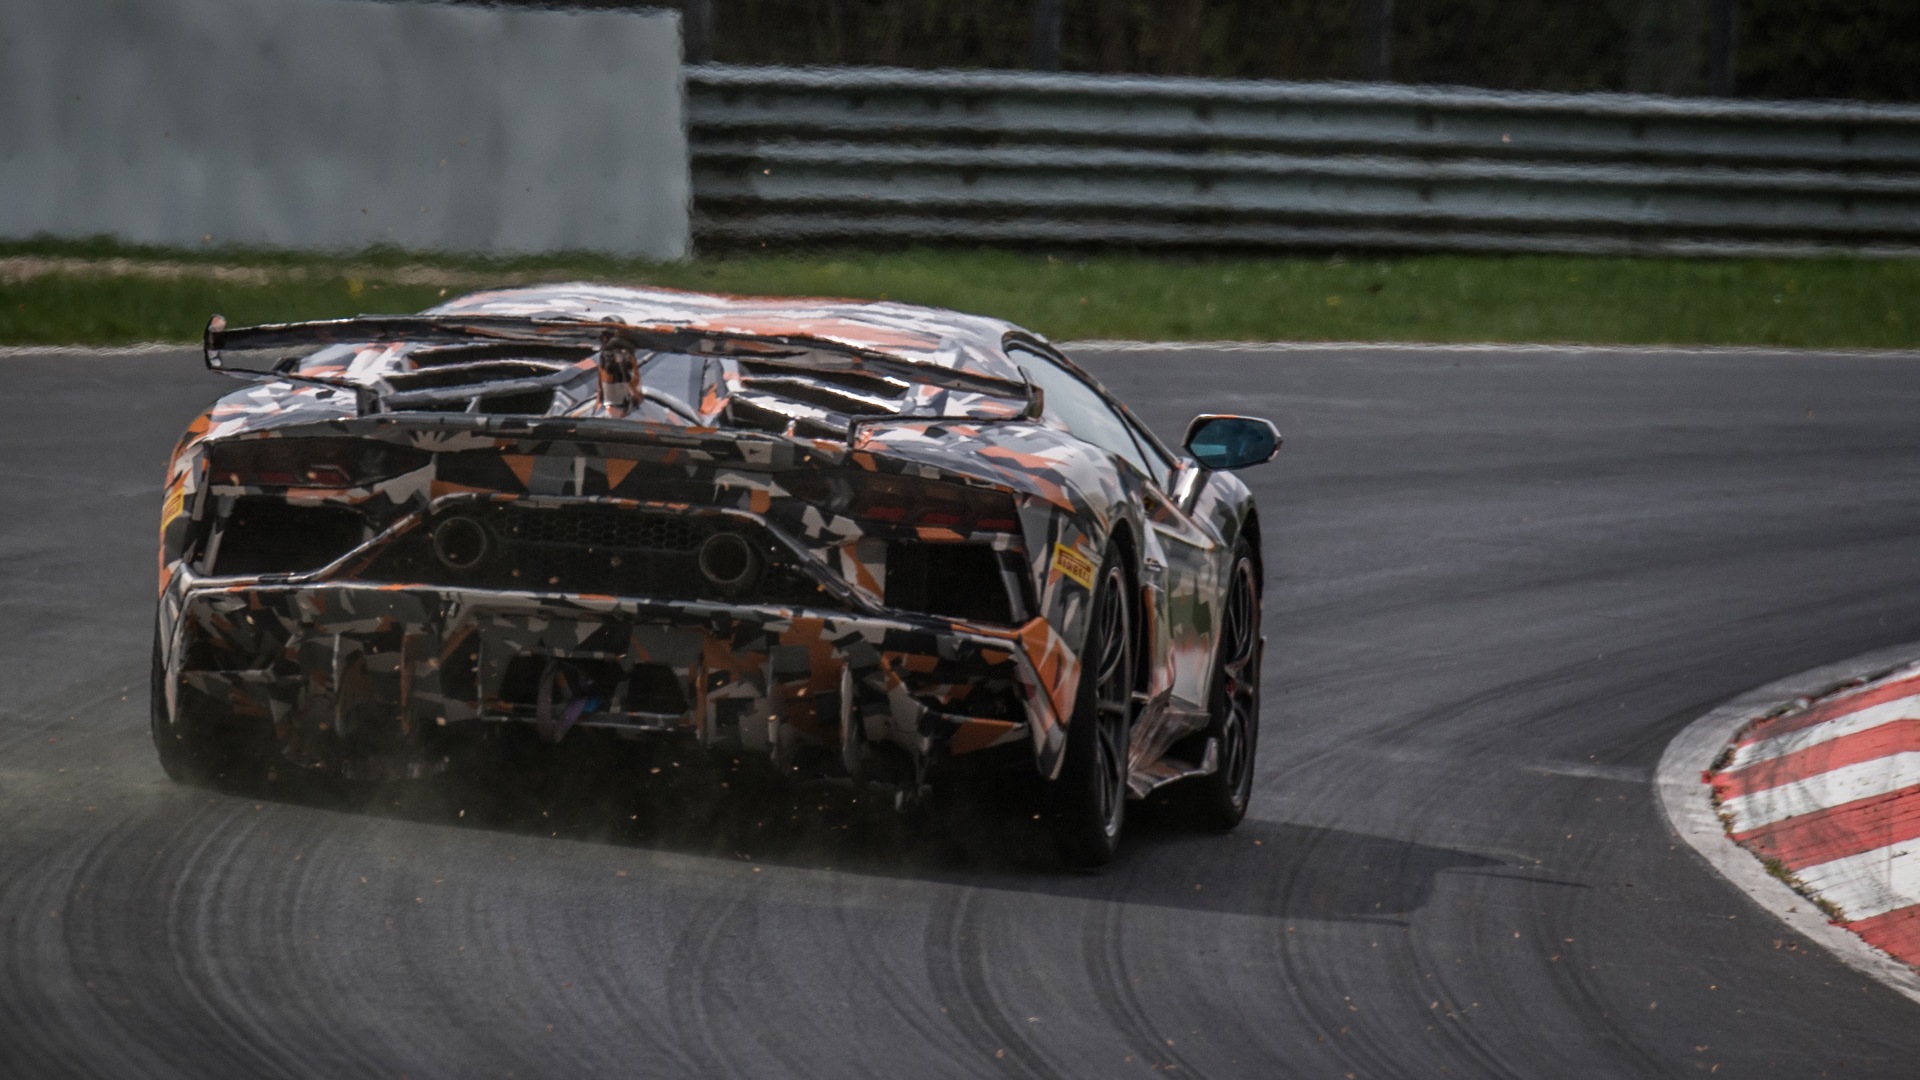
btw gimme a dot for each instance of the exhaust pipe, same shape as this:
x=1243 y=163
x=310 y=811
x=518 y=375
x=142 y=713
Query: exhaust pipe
x=729 y=562
x=461 y=544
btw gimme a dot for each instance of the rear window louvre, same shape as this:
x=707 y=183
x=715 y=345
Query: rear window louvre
x=828 y=397
x=855 y=382
x=434 y=355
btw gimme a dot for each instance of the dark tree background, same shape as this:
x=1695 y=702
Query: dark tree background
x=1867 y=49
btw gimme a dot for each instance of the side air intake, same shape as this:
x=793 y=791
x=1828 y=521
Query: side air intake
x=952 y=581
x=267 y=536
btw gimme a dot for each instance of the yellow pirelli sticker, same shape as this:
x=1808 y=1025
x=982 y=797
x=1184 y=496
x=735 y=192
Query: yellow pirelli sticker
x=176 y=502
x=1070 y=563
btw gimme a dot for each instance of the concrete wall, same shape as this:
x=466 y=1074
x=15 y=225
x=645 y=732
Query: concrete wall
x=336 y=124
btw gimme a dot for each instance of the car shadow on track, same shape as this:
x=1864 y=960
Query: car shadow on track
x=988 y=837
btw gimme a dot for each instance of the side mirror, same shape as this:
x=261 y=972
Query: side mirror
x=1232 y=442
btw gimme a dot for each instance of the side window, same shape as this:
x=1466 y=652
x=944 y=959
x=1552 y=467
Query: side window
x=1163 y=464
x=1080 y=409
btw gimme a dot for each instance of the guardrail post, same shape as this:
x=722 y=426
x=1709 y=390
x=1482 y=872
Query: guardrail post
x=1046 y=35
x=696 y=22
x=1720 y=50
x=1380 y=40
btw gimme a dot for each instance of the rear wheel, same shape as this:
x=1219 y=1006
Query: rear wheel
x=196 y=748
x=1219 y=800
x=1090 y=796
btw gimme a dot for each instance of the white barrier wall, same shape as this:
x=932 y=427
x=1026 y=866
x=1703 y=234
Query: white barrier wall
x=338 y=124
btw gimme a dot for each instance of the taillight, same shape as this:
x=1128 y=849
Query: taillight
x=317 y=462
x=907 y=501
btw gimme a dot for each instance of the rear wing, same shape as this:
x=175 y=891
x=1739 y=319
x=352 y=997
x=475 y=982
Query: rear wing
x=801 y=352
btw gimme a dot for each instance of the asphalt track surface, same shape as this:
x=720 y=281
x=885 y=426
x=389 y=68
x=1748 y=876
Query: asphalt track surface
x=1499 y=584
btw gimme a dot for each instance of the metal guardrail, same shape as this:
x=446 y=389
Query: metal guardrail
x=873 y=153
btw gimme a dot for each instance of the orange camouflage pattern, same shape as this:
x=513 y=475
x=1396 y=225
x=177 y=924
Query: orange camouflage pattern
x=720 y=413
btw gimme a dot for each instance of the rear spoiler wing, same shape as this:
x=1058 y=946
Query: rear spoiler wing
x=773 y=350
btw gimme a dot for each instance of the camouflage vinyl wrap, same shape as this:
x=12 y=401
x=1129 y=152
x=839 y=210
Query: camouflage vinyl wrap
x=584 y=466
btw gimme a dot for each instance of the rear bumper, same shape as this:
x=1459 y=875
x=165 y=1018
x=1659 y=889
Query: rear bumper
x=349 y=673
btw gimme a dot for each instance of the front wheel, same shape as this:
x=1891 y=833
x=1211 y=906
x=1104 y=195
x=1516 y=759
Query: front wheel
x=1090 y=796
x=1219 y=799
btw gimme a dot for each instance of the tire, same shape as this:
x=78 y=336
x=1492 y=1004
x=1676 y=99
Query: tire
x=1090 y=796
x=1218 y=800
x=197 y=748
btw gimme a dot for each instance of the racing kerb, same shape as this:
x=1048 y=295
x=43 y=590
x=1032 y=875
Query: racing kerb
x=1831 y=792
x=1804 y=794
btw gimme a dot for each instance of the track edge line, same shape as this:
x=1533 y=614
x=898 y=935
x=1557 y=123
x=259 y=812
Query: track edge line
x=138 y=348
x=1496 y=348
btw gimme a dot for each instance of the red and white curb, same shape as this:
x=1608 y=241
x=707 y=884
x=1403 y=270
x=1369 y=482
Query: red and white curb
x=1816 y=777
x=1830 y=792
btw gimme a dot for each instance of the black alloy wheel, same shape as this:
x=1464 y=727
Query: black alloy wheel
x=1090 y=795
x=1219 y=799
x=196 y=748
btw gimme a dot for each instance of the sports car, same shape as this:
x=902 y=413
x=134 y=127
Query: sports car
x=867 y=540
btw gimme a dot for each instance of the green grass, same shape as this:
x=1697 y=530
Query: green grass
x=1815 y=303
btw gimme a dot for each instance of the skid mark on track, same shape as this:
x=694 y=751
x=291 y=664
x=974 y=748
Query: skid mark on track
x=693 y=996
x=1449 y=1012
x=1103 y=943
x=957 y=965
x=904 y=992
x=615 y=990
